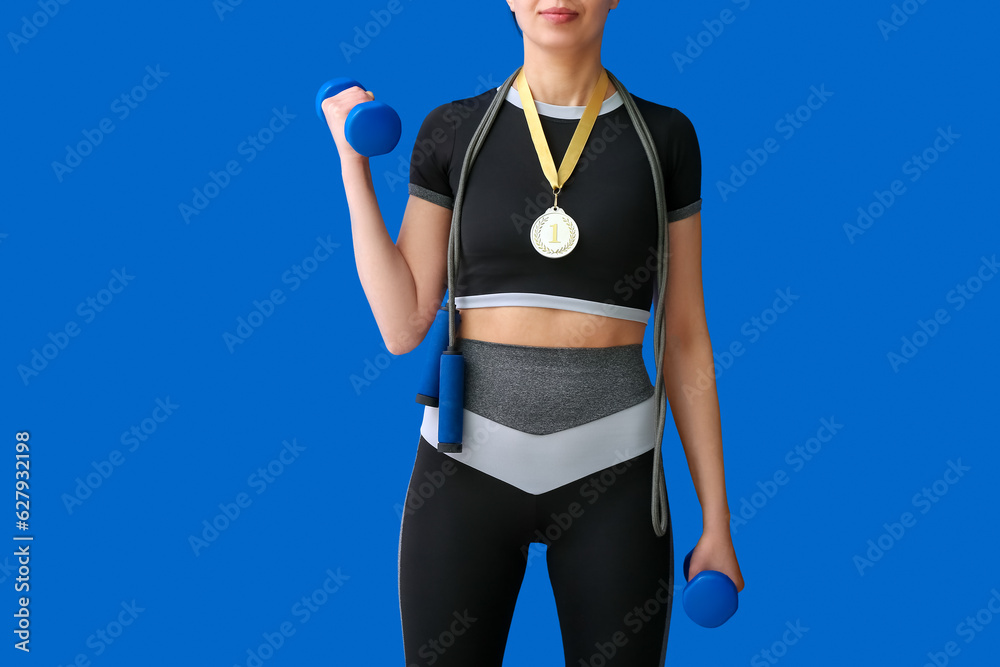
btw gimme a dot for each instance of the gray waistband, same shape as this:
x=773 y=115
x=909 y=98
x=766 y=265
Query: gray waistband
x=542 y=390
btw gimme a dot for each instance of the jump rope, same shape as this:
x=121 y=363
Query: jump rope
x=450 y=406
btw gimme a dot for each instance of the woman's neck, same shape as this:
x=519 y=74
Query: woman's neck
x=562 y=79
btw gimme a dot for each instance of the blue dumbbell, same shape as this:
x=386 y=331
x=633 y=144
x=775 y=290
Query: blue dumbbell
x=710 y=599
x=372 y=128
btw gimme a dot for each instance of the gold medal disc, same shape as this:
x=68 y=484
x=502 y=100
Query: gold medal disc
x=554 y=233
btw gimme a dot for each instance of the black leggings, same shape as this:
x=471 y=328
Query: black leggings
x=464 y=546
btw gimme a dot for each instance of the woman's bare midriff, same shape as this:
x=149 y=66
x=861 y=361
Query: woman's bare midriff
x=547 y=327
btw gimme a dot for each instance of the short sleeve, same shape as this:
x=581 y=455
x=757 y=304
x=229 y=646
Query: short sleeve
x=430 y=162
x=682 y=170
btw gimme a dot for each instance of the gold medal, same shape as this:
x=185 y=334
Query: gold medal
x=554 y=233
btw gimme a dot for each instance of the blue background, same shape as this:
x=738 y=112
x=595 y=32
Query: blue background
x=334 y=506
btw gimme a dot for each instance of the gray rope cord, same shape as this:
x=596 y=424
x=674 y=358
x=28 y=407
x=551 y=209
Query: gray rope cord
x=660 y=506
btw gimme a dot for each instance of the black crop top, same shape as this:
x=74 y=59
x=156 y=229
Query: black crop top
x=612 y=269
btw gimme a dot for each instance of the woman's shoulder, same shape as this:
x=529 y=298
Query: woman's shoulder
x=457 y=111
x=662 y=114
x=672 y=129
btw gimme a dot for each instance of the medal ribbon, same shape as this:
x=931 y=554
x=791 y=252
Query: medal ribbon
x=580 y=136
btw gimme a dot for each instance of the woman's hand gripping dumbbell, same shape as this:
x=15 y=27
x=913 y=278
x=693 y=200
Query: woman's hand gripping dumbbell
x=360 y=125
x=710 y=598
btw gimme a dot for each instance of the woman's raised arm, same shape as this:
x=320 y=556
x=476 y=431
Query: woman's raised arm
x=403 y=281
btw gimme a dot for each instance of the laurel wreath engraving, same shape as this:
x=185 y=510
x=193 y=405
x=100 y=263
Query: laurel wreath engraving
x=536 y=236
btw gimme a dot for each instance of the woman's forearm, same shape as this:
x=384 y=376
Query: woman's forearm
x=385 y=277
x=694 y=403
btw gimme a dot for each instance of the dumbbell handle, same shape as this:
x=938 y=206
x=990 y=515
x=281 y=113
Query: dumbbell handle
x=331 y=88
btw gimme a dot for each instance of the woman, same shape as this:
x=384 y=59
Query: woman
x=558 y=405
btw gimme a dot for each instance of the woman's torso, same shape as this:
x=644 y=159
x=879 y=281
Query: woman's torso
x=610 y=194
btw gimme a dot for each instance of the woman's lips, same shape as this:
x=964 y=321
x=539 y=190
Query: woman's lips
x=559 y=17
